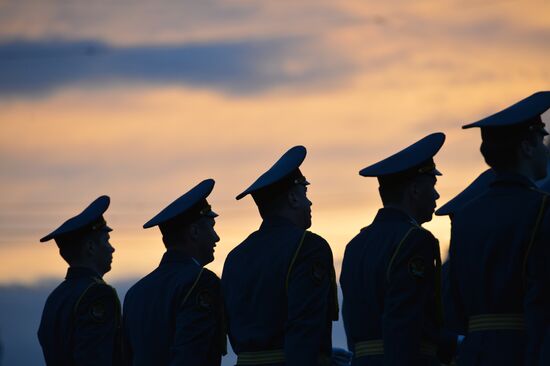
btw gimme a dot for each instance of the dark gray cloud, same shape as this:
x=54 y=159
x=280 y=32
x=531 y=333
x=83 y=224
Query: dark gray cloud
x=39 y=67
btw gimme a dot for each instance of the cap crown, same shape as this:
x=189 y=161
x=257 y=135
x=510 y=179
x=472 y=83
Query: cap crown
x=183 y=204
x=90 y=215
x=412 y=156
x=520 y=112
x=285 y=166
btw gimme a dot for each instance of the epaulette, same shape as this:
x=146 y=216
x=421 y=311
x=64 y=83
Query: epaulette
x=96 y=281
x=538 y=190
x=98 y=313
x=415 y=224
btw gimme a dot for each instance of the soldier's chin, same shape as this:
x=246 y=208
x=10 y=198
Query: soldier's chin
x=210 y=258
x=426 y=218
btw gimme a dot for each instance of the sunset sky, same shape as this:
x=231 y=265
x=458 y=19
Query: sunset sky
x=142 y=100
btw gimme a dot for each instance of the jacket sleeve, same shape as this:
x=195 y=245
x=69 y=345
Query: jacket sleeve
x=410 y=286
x=309 y=290
x=537 y=296
x=448 y=338
x=127 y=354
x=96 y=337
x=197 y=337
x=455 y=313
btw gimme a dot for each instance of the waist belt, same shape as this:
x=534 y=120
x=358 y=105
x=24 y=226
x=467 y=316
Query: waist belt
x=261 y=357
x=483 y=322
x=375 y=347
x=272 y=356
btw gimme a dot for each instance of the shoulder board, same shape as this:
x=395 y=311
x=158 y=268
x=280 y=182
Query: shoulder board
x=416 y=225
x=96 y=281
x=538 y=190
x=99 y=281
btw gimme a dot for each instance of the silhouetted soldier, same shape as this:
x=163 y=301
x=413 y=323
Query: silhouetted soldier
x=473 y=190
x=279 y=284
x=499 y=244
x=173 y=316
x=391 y=270
x=81 y=319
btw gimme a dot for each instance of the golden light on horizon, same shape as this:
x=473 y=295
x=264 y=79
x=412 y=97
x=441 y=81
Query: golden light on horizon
x=353 y=81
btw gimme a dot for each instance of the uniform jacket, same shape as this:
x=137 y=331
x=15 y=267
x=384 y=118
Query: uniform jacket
x=279 y=292
x=389 y=279
x=173 y=316
x=499 y=265
x=81 y=322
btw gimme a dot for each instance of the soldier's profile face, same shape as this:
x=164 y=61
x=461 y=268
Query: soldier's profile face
x=427 y=195
x=104 y=252
x=207 y=240
x=304 y=205
x=540 y=157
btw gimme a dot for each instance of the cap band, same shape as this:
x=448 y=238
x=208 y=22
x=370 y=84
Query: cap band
x=99 y=224
x=301 y=180
x=205 y=210
x=429 y=167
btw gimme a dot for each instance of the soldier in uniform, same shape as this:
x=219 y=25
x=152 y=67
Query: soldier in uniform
x=279 y=283
x=499 y=244
x=544 y=358
x=81 y=319
x=173 y=316
x=391 y=270
x=473 y=190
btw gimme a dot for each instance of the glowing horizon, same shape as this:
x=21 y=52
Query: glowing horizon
x=141 y=101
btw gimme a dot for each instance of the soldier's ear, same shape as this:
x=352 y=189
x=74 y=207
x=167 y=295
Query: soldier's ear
x=292 y=199
x=526 y=148
x=89 y=247
x=411 y=189
x=193 y=231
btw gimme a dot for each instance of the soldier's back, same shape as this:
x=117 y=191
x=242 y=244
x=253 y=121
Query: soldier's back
x=254 y=287
x=365 y=278
x=79 y=315
x=490 y=240
x=159 y=309
x=267 y=293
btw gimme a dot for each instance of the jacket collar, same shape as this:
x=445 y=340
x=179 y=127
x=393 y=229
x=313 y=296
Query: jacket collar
x=80 y=272
x=393 y=214
x=513 y=178
x=276 y=221
x=176 y=256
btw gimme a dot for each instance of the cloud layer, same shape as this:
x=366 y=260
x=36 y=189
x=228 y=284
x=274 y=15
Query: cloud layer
x=141 y=100
x=38 y=67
